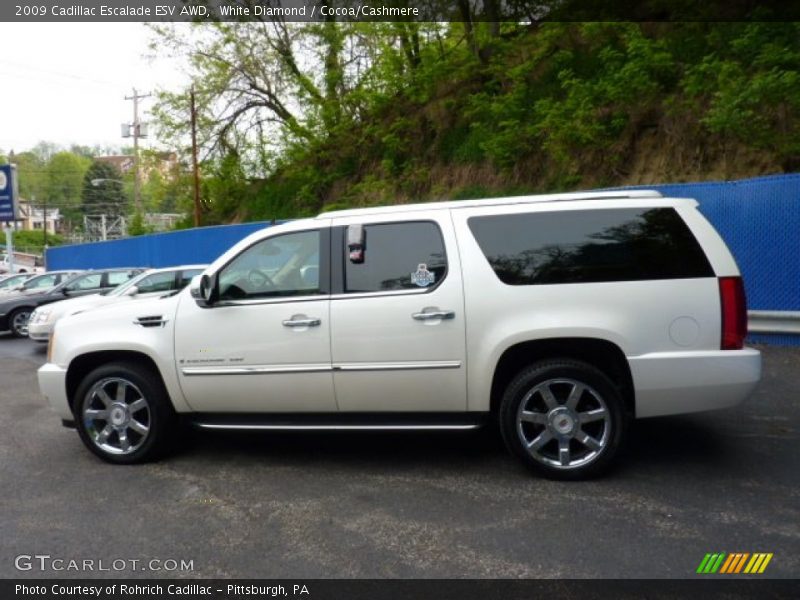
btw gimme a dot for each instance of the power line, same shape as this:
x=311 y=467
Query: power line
x=17 y=65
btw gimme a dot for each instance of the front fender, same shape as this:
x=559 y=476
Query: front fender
x=115 y=329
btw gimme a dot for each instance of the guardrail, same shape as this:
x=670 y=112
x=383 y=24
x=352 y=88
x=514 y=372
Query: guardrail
x=773 y=321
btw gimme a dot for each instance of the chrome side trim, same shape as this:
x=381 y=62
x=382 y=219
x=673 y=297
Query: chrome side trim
x=315 y=298
x=386 y=427
x=256 y=370
x=275 y=300
x=399 y=366
x=321 y=368
x=405 y=292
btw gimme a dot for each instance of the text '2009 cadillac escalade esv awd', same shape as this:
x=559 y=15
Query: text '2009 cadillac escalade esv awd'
x=558 y=317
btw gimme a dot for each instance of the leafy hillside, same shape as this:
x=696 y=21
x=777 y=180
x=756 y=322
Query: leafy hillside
x=295 y=119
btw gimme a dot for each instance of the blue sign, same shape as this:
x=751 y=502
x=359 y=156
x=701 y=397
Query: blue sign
x=8 y=193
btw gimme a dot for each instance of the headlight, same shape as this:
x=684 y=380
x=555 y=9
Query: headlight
x=41 y=316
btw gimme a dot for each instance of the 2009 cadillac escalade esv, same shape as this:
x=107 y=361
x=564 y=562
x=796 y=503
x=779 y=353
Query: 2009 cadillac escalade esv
x=558 y=317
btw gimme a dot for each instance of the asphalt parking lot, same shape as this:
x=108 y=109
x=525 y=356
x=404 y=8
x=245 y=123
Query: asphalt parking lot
x=409 y=506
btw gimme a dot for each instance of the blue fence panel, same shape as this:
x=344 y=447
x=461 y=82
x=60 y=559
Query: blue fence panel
x=189 y=246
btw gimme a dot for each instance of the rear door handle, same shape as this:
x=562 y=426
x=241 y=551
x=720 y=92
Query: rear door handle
x=302 y=321
x=431 y=314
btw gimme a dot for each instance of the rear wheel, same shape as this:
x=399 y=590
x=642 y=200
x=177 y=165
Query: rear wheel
x=123 y=413
x=18 y=321
x=563 y=418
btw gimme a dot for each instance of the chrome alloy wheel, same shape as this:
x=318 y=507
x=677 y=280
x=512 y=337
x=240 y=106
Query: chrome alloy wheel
x=116 y=416
x=563 y=423
x=19 y=323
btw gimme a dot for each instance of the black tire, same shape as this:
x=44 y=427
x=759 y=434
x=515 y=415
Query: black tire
x=15 y=321
x=158 y=416
x=597 y=418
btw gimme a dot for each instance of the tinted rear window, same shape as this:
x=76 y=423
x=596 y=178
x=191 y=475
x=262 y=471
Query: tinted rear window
x=393 y=253
x=590 y=246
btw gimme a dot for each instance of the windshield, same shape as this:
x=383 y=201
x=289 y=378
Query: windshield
x=120 y=289
x=14 y=280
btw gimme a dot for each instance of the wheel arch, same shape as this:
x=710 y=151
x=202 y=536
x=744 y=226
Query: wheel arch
x=82 y=365
x=606 y=356
x=30 y=307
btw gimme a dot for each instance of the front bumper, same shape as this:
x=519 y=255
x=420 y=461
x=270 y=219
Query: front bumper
x=671 y=383
x=53 y=386
x=40 y=331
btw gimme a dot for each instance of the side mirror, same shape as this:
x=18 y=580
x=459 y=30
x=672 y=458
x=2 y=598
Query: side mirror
x=65 y=291
x=203 y=289
x=131 y=291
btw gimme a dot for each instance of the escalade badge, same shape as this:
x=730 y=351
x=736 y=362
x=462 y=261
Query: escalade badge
x=422 y=277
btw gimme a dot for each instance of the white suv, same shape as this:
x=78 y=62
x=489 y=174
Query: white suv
x=558 y=317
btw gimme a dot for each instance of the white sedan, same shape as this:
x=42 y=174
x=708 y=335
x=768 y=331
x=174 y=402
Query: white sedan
x=149 y=283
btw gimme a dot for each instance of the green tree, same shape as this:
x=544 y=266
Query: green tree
x=261 y=76
x=33 y=241
x=31 y=175
x=46 y=150
x=63 y=183
x=163 y=191
x=747 y=87
x=137 y=225
x=102 y=191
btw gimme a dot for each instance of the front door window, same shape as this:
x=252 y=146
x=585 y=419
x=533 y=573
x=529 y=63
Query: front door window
x=286 y=265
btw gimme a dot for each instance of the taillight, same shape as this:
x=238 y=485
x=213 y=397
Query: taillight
x=734 y=313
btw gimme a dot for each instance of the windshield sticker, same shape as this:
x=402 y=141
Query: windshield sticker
x=422 y=277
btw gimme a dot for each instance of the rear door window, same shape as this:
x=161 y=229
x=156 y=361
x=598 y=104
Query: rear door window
x=397 y=256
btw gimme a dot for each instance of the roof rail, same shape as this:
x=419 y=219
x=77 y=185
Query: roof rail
x=450 y=204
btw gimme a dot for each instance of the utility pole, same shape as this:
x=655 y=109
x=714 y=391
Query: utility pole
x=137 y=133
x=44 y=216
x=194 y=161
x=10 y=247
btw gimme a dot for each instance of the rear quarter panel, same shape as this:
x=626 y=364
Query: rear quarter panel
x=640 y=317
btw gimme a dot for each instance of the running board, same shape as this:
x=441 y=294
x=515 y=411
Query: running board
x=341 y=422
x=322 y=427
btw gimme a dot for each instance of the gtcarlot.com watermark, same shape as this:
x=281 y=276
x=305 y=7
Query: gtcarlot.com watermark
x=48 y=563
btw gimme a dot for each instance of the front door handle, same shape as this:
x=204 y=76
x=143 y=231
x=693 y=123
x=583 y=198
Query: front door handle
x=302 y=321
x=429 y=314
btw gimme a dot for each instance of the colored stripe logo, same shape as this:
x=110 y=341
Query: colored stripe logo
x=734 y=563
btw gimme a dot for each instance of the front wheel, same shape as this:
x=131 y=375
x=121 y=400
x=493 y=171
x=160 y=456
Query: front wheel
x=123 y=413
x=563 y=418
x=19 y=322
